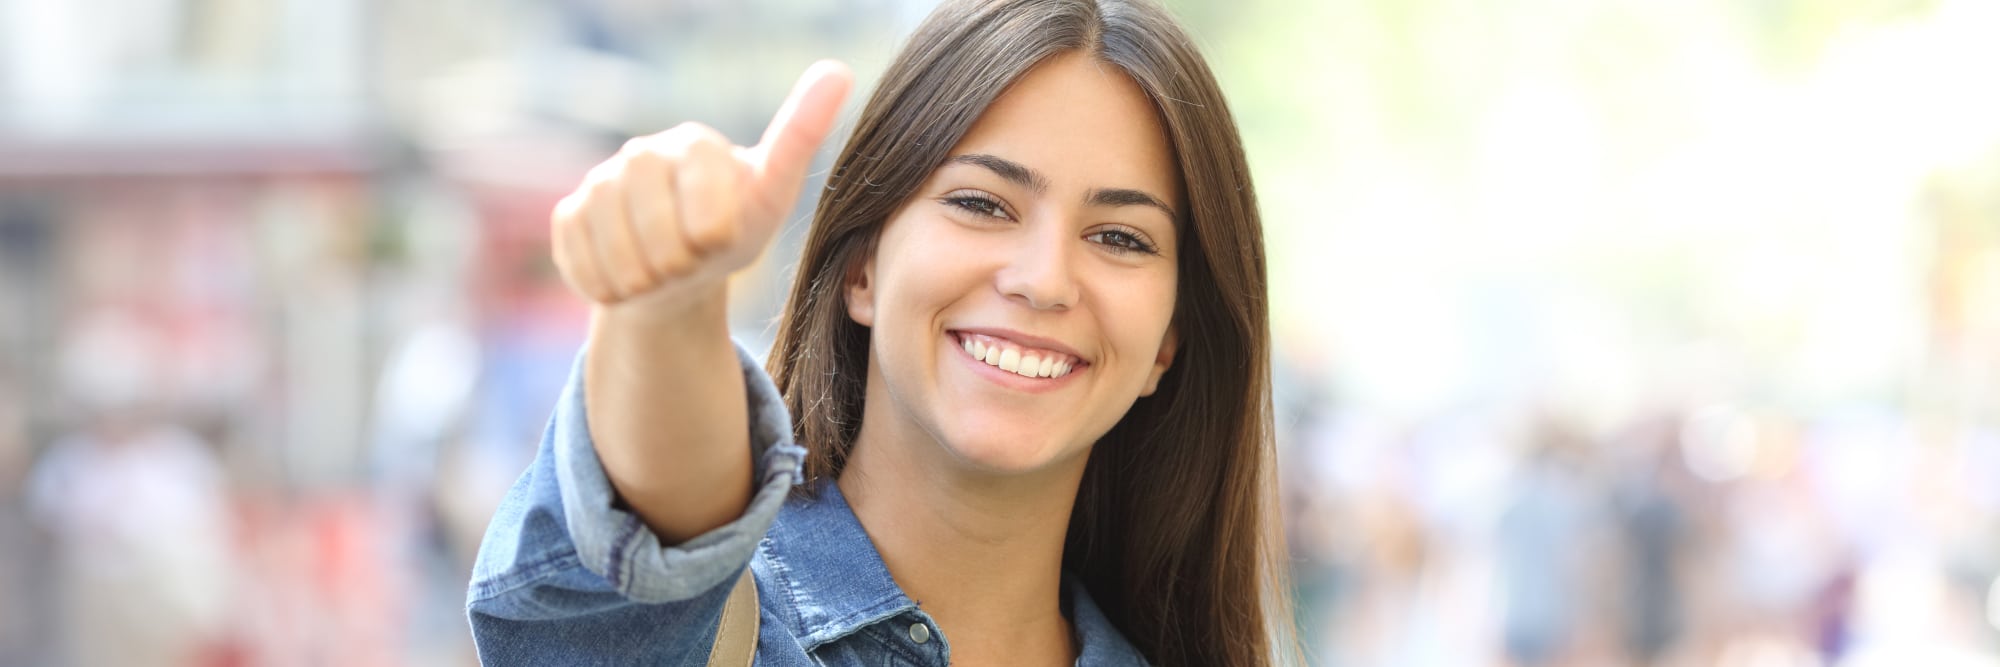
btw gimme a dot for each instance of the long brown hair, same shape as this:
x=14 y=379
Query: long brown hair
x=1175 y=528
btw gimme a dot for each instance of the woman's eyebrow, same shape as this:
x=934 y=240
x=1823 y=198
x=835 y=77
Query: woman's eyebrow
x=1014 y=172
x=1021 y=175
x=1128 y=197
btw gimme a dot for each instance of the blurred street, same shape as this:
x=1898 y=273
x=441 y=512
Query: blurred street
x=1610 y=333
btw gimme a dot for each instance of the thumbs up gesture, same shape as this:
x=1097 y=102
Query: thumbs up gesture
x=672 y=214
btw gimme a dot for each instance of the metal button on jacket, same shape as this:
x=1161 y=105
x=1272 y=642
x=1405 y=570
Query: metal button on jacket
x=920 y=633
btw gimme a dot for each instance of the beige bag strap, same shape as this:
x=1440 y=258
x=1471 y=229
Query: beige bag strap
x=736 y=635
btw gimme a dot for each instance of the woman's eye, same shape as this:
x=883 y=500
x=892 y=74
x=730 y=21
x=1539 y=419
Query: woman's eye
x=977 y=205
x=1123 y=241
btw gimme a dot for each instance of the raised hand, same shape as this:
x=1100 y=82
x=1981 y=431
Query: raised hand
x=669 y=217
x=650 y=237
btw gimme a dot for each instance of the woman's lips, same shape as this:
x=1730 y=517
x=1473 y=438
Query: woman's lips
x=1014 y=357
x=1016 y=365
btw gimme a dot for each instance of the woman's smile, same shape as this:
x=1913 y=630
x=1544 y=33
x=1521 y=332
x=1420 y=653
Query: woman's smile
x=1017 y=361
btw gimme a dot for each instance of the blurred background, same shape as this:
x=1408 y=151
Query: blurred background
x=1609 y=333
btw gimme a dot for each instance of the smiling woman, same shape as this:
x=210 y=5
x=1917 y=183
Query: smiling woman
x=1010 y=246
x=1019 y=408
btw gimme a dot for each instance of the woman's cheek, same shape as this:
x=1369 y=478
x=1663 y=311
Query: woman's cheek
x=1141 y=310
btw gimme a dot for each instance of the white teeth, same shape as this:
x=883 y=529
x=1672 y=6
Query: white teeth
x=1015 y=360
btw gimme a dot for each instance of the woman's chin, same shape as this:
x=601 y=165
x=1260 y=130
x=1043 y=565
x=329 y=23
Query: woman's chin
x=1007 y=451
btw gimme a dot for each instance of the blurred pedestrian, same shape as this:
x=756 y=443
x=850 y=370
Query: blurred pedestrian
x=137 y=510
x=1653 y=530
x=1544 y=553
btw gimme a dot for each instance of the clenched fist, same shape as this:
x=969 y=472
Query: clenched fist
x=673 y=214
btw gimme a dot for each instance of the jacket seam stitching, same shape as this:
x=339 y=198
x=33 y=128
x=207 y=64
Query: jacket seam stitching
x=521 y=576
x=615 y=560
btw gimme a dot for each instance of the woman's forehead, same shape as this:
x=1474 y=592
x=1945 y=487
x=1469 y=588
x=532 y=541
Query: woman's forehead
x=1083 y=123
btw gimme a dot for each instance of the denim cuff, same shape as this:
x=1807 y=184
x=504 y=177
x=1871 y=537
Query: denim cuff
x=616 y=545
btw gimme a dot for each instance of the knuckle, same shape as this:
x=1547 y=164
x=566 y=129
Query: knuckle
x=600 y=193
x=675 y=141
x=690 y=139
x=634 y=279
x=693 y=175
x=583 y=282
x=708 y=181
x=673 y=267
x=708 y=140
x=668 y=256
x=718 y=161
x=698 y=133
x=661 y=214
x=645 y=161
x=712 y=235
x=635 y=146
x=564 y=212
x=603 y=171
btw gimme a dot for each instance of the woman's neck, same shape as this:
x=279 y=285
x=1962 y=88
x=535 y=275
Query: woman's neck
x=981 y=553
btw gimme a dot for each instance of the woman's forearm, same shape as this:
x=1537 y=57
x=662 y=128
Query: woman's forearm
x=664 y=399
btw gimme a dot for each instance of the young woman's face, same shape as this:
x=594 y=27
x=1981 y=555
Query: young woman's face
x=1020 y=300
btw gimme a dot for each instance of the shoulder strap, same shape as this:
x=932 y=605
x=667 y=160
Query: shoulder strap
x=736 y=635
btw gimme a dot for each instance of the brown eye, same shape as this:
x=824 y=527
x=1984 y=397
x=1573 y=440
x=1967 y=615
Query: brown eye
x=1122 y=241
x=977 y=205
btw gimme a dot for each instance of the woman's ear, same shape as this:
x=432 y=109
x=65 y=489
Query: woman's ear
x=1168 y=346
x=860 y=292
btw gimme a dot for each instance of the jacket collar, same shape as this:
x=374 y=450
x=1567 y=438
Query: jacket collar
x=1098 y=642
x=833 y=577
x=835 y=583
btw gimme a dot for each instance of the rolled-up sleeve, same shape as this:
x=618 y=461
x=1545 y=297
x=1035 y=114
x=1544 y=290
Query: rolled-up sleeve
x=566 y=573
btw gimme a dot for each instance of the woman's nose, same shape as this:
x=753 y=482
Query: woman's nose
x=1038 y=272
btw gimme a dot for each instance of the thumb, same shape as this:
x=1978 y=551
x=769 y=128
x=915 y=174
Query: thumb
x=778 y=162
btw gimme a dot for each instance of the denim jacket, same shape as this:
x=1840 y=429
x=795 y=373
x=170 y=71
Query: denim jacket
x=568 y=576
